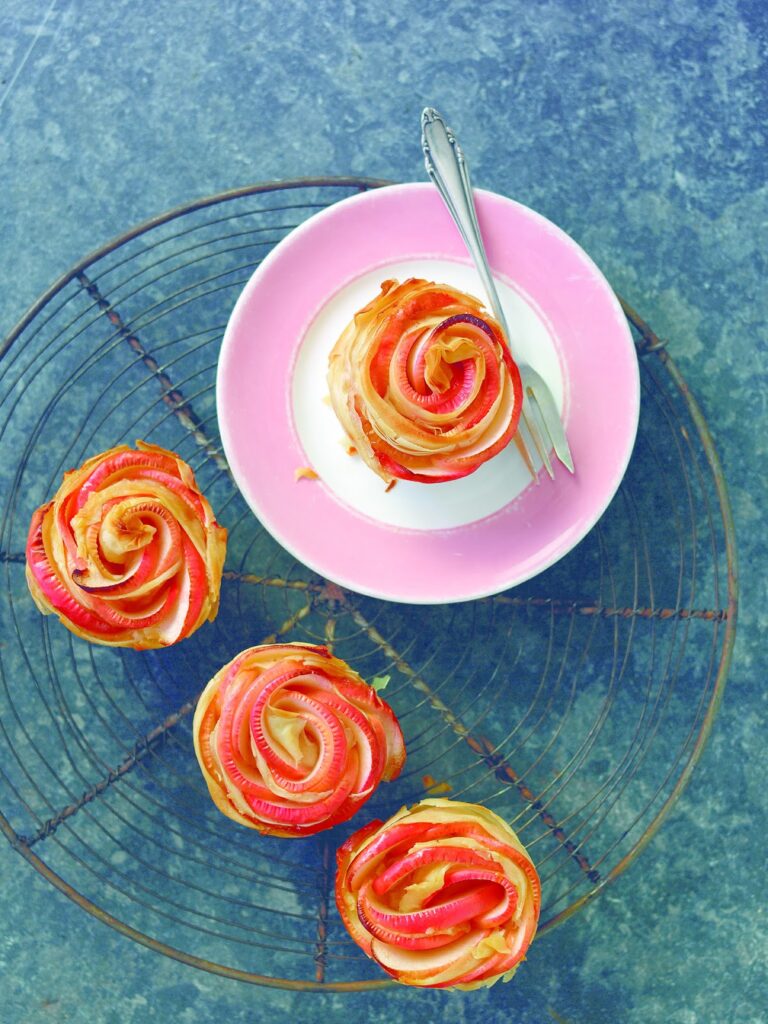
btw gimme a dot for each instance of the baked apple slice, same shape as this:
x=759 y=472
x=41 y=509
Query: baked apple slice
x=128 y=552
x=423 y=383
x=442 y=895
x=292 y=741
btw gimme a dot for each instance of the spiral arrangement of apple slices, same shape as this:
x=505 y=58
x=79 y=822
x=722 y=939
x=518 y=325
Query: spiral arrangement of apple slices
x=292 y=741
x=441 y=896
x=423 y=383
x=128 y=553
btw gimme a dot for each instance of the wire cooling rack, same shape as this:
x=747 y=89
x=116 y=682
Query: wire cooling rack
x=575 y=705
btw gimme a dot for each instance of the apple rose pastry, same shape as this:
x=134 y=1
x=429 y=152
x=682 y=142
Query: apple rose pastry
x=441 y=896
x=292 y=741
x=128 y=553
x=423 y=383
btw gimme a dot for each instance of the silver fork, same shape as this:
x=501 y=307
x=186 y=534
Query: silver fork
x=448 y=169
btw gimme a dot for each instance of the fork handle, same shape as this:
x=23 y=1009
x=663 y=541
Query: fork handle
x=447 y=167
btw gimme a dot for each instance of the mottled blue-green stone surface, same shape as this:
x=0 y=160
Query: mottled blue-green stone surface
x=640 y=128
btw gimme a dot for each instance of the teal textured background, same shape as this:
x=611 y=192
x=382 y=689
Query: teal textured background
x=638 y=127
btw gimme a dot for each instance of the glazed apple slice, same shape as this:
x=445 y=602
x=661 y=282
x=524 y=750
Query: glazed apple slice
x=442 y=895
x=128 y=553
x=423 y=383
x=292 y=741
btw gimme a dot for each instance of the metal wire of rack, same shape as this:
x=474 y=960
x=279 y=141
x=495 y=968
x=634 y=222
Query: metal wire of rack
x=575 y=705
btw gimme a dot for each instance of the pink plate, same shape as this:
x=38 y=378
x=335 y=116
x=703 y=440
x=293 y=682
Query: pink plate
x=436 y=543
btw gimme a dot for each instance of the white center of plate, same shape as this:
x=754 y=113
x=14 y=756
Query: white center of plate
x=411 y=505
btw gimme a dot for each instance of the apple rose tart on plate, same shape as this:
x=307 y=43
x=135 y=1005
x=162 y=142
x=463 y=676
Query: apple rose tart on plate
x=292 y=741
x=423 y=383
x=128 y=553
x=441 y=896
